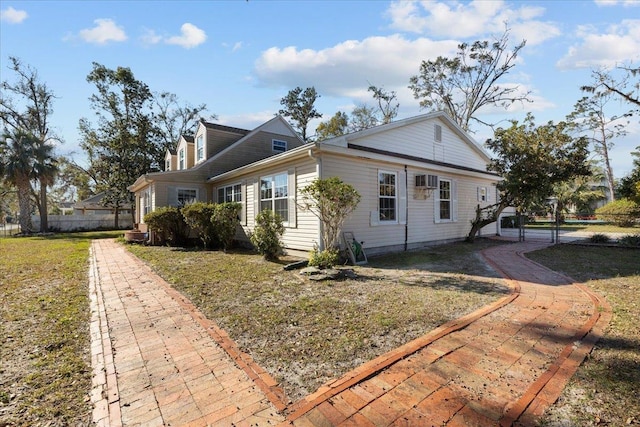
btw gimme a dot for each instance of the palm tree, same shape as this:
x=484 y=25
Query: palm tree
x=18 y=154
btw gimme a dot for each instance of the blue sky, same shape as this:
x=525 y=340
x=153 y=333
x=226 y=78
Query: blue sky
x=241 y=57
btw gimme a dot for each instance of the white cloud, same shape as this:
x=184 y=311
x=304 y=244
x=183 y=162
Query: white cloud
x=619 y=43
x=13 y=16
x=346 y=68
x=474 y=19
x=190 y=36
x=625 y=3
x=150 y=37
x=105 y=31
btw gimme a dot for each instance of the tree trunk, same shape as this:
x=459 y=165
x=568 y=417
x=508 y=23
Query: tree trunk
x=24 y=202
x=484 y=217
x=44 y=219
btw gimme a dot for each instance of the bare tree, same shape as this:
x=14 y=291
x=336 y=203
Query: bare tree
x=174 y=119
x=625 y=86
x=463 y=85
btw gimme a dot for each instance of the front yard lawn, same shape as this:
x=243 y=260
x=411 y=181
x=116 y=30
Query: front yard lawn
x=305 y=333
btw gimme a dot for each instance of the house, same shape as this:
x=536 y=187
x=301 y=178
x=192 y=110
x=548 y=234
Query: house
x=420 y=181
x=93 y=206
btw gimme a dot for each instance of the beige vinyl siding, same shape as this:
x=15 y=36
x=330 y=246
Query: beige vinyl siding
x=301 y=236
x=256 y=147
x=422 y=228
x=217 y=140
x=418 y=140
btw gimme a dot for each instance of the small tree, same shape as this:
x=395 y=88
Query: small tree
x=331 y=200
x=197 y=216
x=299 y=106
x=225 y=222
x=621 y=212
x=267 y=233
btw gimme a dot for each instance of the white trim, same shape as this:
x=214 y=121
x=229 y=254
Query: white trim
x=395 y=197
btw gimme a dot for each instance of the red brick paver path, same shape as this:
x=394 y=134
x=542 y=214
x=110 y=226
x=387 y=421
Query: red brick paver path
x=502 y=365
x=157 y=361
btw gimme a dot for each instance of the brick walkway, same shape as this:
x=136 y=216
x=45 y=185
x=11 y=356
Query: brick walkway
x=158 y=361
x=502 y=365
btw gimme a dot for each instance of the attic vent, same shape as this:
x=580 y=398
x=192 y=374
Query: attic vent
x=432 y=181
x=437 y=133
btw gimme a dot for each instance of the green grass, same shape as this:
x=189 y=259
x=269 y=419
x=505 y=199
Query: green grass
x=45 y=366
x=305 y=333
x=604 y=391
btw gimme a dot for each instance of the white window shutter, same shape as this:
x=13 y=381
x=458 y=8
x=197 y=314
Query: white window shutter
x=454 y=200
x=243 y=195
x=436 y=203
x=256 y=199
x=401 y=186
x=292 y=198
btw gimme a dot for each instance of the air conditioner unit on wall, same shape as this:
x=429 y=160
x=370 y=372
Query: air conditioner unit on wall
x=421 y=181
x=432 y=181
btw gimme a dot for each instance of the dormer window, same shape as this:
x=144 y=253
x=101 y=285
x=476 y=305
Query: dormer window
x=199 y=148
x=167 y=165
x=278 y=146
x=181 y=159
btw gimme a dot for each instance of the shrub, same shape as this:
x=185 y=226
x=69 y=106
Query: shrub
x=631 y=240
x=599 y=238
x=197 y=215
x=324 y=259
x=225 y=222
x=622 y=212
x=267 y=233
x=168 y=224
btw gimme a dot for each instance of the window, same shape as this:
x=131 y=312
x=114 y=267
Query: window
x=186 y=196
x=199 y=148
x=167 y=165
x=146 y=201
x=274 y=194
x=181 y=159
x=445 y=199
x=482 y=194
x=230 y=193
x=278 y=146
x=387 y=196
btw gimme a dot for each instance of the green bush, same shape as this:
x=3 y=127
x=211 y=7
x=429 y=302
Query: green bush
x=169 y=225
x=622 y=212
x=225 y=222
x=267 y=233
x=599 y=238
x=631 y=240
x=197 y=215
x=324 y=259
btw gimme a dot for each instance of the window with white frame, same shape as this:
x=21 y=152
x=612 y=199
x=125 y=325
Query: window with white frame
x=146 y=201
x=181 y=159
x=278 y=146
x=199 y=148
x=482 y=194
x=274 y=194
x=387 y=196
x=446 y=200
x=186 y=196
x=230 y=193
x=167 y=165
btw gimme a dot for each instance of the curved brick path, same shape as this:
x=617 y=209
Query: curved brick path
x=158 y=361
x=502 y=365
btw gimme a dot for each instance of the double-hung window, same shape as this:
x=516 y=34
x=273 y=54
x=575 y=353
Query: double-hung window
x=230 y=193
x=274 y=194
x=146 y=201
x=181 y=159
x=387 y=196
x=199 y=148
x=446 y=200
x=186 y=196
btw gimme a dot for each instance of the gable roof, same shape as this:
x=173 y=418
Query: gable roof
x=224 y=128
